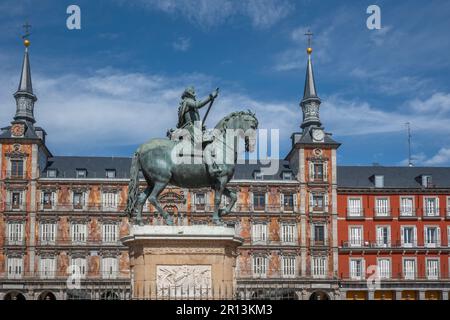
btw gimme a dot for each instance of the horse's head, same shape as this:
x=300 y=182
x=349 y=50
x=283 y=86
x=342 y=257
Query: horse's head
x=245 y=122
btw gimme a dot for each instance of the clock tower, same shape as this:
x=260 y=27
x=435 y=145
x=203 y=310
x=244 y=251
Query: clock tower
x=313 y=160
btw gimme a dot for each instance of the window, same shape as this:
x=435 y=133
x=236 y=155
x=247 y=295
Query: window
x=355 y=207
x=17 y=169
x=109 y=268
x=427 y=181
x=78 y=267
x=431 y=206
x=48 y=199
x=357 y=271
x=110 y=200
x=259 y=232
x=288 y=233
x=319 y=267
x=47 y=233
x=319 y=234
x=110 y=173
x=110 y=232
x=287 y=175
x=432 y=268
x=355 y=236
x=79 y=232
x=288 y=266
x=407 y=206
x=15 y=233
x=448 y=206
x=81 y=173
x=409 y=269
x=384 y=268
x=78 y=200
x=16 y=200
x=382 y=207
x=200 y=201
x=448 y=240
x=15 y=267
x=259 y=201
x=408 y=236
x=432 y=236
x=383 y=236
x=288 y=202
x=51 y=173
x=318 y=202
x=318 y=171
x=379 y=181
x=47 y=267
x=260 y=266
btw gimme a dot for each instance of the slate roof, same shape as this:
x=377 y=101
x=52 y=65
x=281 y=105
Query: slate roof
x=347 y=176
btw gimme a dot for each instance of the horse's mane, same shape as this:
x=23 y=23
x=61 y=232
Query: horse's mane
x=222 y=123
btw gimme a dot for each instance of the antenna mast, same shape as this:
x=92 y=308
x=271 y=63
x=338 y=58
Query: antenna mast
x=408 y=126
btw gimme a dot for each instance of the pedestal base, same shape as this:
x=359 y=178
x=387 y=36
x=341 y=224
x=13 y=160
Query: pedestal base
x=182 y=262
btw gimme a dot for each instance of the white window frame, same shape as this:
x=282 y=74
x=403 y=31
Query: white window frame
x=407 y=275
x=379 y=241
x=404 y=210
x=110 y=200
x=284 y=208
x=15 y=232
x=384 y=274
x=430 y=274
x=288 y=266
x=355 y=211
x=47 y=267
x=53 y=197
x=288 y=233
x=78 y=232
x=110 y=267
x=448 y=205
x=357 y=243
x=259 y=233
x=319 y=267
x=384 y=209
x=22 y=196
x=427 y=242
x=428 y=212
x=83 y=202
x=110 y=233
x=14 y=267
x=313 y=233
x=353 y=271
x=379 y=181
x=47 y=232
x=260 y=264
x=402 y=236
x=78 y=265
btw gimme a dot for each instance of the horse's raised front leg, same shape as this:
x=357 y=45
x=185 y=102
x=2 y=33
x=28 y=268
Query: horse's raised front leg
x=233 y=198
x=153 y=198
x=218 y=191
x=140 y=204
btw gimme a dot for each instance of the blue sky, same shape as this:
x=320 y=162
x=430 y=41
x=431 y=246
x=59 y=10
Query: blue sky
x=116 y=83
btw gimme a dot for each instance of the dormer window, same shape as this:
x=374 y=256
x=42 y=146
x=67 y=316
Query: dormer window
x=51 y=173
x=426 y=181
x=287 y=175
x=110 y=173
x=258 y=175
x=81 y=173
x=379 y=181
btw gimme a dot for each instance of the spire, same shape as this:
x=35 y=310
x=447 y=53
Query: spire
x=310 y=103
x=24 y=95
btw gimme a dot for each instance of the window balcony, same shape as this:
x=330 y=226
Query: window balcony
x=14 y=175
x=14 y=241
x=356 y=214
x=382 y=213
x=406 y=213
x=14 y=206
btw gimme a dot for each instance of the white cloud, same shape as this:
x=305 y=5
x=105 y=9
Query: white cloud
x=182 y=44
x=209 y=13
x=440 y=158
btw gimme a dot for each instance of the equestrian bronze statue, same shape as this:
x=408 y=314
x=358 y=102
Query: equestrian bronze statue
x=192 y=157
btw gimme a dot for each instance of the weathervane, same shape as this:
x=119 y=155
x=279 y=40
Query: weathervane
x=309 y=34
x=27 y=28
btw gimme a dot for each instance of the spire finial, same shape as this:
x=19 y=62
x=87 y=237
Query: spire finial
x=27 y=34
x=309 y=34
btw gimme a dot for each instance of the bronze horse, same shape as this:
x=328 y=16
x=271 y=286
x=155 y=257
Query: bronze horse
x=155 y=160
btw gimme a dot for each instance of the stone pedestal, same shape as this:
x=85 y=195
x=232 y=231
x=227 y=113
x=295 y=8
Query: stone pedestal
x=182 y=262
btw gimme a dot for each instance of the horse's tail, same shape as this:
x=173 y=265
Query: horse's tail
x=133 y=186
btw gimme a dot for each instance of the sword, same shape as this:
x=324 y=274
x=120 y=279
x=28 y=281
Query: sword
x=209 y=108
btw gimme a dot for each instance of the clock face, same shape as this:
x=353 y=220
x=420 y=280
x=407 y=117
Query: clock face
x=17 y=130
x=318 y=135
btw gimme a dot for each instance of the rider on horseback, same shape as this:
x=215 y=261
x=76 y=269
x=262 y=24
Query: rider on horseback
x=189 y=116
